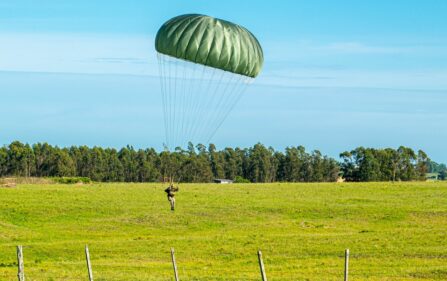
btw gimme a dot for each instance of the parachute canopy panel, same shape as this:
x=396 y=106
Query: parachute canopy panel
x=212 y=42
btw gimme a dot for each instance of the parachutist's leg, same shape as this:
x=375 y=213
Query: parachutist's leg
x=172 y=201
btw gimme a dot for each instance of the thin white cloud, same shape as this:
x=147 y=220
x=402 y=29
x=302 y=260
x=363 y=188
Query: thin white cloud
x=360 y=48
x=354 y=64
x=320 y=77
x=281 y=51
x=290 y=64
x=78 y=53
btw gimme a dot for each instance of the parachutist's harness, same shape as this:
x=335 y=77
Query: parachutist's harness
x=171 y=190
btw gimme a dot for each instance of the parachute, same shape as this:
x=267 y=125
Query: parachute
x=205 y=66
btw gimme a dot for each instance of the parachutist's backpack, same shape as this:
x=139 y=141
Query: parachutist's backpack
x=171 y=191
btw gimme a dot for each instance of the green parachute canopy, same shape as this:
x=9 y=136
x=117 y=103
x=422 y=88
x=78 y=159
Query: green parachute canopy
x=212 y=42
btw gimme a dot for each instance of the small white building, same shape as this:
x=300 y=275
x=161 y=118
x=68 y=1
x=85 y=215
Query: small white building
x=222 y=181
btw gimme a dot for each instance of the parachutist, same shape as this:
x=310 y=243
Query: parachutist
x=171 y=193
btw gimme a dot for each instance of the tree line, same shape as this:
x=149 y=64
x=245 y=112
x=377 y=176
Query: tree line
x=369 y=164
x=202 y=163
x=440 y=169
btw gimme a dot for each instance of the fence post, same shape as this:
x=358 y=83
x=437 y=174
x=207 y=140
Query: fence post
x=346 y=264
x=89 y=266
x=20 y=264
x=261 y=266
x=174 y=264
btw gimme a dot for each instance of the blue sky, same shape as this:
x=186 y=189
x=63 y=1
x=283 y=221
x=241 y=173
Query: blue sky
x=337 y=74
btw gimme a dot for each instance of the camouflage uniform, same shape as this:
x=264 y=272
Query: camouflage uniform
x=171 y=193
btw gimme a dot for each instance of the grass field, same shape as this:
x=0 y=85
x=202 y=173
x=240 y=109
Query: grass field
x=394 y=231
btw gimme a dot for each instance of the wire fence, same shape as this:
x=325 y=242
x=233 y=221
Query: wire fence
x=177 y=272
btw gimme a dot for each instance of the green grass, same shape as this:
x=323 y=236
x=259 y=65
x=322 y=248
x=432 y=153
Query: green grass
x=394 y=231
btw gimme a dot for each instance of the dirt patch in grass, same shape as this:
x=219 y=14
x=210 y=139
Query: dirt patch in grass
x=13 y=181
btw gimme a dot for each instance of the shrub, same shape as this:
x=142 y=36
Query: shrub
x=72 y=180
x=239 y=179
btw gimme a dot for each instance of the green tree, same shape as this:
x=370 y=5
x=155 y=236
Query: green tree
x=407 y=160
x=260 y=164
x=422 y=165
x=20 y=159
x=196 y=169
x=331 y=170
x=217 y=162
x=232 y=163
x=293 y=164
x=146 y=169
x=443 y=174
x=114 y=168
x=3 y=161
x=62 y=164
x=130 y=166
x=369 y=165
x=349 y=166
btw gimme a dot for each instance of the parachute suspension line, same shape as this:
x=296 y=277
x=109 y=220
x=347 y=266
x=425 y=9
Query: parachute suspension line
x=186 y=89
x=169 y=96
x=172 y=83
x=163 y=94
x=185 y=98
x=226 y=106
x=166 y=78
x=205 y=97
x=196 y=87
x=215 y=107
x=245 y=83
x=193 y=100
x=194 y=97
x=222 y=106
x=202 y=114
x=176 y=101
x=197 y=74
x=197 y=105
x=187 y=101
x=181 y=108
x=197 y=99
x=202 y=100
